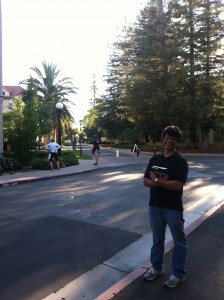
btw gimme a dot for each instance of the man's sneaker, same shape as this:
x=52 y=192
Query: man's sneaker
x=152 y=273
x=173 y=281
x=95 y=164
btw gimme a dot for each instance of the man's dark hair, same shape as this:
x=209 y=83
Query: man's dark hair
x=173 y=131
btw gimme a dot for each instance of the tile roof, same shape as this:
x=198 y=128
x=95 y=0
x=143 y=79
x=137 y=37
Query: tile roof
x=14 y=90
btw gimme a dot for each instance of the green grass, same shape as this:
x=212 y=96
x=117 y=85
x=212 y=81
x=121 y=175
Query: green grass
x=84 y=155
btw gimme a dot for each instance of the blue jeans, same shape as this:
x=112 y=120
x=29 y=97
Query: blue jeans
x=73 y=146
x=159 y=218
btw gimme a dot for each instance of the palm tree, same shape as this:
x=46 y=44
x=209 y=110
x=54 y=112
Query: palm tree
x=51 y=91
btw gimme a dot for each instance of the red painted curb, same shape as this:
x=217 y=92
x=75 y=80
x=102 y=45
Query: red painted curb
x=127 y=280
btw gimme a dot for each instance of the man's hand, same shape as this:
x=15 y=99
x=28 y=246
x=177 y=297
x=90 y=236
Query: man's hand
x=153 y=176
x=164 y=176
x=159 y=175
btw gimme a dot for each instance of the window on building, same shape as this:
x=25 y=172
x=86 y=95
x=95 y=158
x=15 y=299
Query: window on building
x=10 y=103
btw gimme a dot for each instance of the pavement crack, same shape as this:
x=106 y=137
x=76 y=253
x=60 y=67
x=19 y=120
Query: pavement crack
x=115 y=268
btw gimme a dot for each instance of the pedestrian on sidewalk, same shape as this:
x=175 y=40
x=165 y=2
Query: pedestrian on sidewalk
x=53 y=147
x=73 y=141
x=96 y=149
x=166 y=175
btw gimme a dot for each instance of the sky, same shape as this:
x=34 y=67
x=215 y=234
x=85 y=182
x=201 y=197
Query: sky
x=75 y=35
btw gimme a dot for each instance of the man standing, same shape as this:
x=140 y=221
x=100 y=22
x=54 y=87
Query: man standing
x=96 y=149
x=73 y=142
x=53 y=147
x=166 y=175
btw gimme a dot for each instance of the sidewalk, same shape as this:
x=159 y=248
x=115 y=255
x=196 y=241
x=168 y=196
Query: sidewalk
x=21 y=177
x=205 y=264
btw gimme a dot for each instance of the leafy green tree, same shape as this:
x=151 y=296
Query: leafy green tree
x=30 y=128
x=14 y=125
x=91 y=123
x=44 y=118
x=51 y=91
x=21 y=126
x=129 y=135
x=106 y=119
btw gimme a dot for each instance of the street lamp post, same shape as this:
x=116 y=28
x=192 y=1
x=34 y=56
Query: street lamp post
x=59 y=107
x=80 y=138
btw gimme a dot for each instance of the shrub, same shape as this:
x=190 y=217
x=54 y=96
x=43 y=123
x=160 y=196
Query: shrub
x=67 y=158
x=41 y=154
x=40 y=163
x=151 y=146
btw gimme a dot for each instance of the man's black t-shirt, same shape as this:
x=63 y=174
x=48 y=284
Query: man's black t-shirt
x=177 y=169
x=96 y=146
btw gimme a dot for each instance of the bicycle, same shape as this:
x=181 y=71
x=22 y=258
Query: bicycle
x=7 y=163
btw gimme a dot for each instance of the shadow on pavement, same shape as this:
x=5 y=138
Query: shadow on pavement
x=57 y=250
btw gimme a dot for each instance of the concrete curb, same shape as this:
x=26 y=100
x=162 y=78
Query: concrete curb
x=131 y=277
x=17 y=181
x=28 y=180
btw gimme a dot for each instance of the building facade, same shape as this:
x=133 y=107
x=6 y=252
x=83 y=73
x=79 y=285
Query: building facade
x=9 y=93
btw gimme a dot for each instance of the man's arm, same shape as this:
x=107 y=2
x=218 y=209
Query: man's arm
x=149 y=183
x=162 y=181
x=173 y=185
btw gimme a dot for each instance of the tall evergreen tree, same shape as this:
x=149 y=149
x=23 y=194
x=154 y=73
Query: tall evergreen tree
x=210 y=34
x=202 y=30
x=167 y=69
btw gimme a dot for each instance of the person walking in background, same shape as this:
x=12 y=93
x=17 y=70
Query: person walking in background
x=73 y=142
x=166 y=175
x=96 y=149
x=53 y=147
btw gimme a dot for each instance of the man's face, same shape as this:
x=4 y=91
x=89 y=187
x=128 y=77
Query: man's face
x=169 y=142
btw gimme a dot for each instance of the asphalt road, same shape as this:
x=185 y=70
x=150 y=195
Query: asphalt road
x=54 y=231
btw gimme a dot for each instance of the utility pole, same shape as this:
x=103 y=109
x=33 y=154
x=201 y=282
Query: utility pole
x=1 y=89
